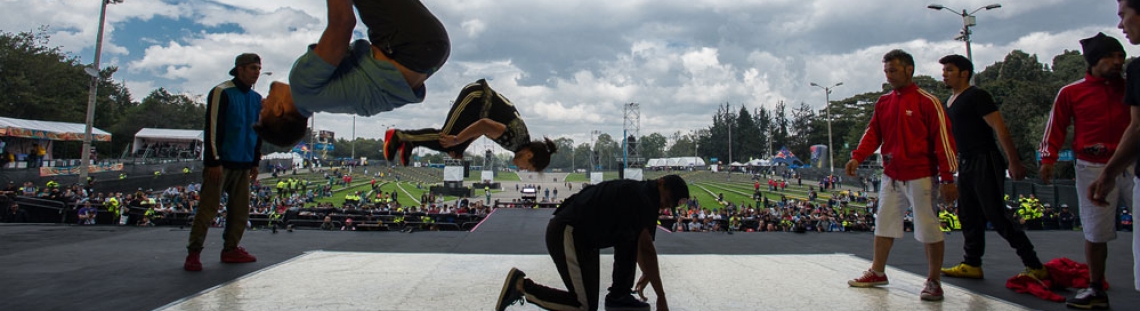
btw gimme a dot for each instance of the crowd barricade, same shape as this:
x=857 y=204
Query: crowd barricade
x=526 y=204
x=43 y=210
x=372 y=220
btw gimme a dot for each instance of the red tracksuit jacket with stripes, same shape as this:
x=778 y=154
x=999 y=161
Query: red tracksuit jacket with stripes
x=1095 y=107
x=911 y=126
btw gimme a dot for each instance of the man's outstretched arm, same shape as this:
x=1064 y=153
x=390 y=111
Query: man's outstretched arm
x=334 y=41
x=647 y=260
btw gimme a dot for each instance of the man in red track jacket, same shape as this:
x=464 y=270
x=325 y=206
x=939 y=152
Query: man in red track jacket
x=914 y=133
x=1095 y=107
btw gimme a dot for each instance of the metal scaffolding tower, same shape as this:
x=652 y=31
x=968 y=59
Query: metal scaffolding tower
x=631 y=132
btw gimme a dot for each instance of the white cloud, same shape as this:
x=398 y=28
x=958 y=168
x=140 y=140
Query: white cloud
x=570 y=66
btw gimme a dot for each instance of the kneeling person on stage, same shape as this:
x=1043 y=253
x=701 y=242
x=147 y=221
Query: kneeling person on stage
x=478 y=111
x=408 y=44
x=619 y=213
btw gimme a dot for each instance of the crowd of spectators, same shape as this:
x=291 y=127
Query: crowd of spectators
x=765 y=215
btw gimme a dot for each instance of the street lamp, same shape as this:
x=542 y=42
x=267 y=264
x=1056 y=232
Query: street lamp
x=353 y=137
x=93 y=71
x=827 y=97
x=968 y=20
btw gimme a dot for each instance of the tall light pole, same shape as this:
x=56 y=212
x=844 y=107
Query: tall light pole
x=730 y=142
x=827 y=106
x=93 y=71
x=968 y=20
x=353 y=138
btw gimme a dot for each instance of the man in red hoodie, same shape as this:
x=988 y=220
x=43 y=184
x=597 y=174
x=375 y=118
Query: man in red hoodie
x=918 y=150
x=1095 y=107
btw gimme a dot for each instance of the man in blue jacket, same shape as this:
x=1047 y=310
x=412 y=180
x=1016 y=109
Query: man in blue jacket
x=232 y=153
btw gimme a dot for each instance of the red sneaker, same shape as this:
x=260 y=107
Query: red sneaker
x=391 y=147
x=869 y=279
x=193 y=262
x=237 y=255
x=932 y=291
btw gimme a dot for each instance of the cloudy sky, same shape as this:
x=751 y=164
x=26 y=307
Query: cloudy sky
x=570 y=66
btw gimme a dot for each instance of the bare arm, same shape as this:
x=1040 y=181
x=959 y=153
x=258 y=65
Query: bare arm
x=1016 y=170
x=647 y=260
x=334 y=41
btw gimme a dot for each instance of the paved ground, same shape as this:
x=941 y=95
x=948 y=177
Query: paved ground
x=66 y=267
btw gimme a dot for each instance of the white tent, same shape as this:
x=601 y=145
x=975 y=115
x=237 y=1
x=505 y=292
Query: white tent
x=45 y=133
x=186 y=139
x=655 y=163
x=48 y=130
x=675 y=162
x=297 y=160
x=282 y=155
x=759 y=162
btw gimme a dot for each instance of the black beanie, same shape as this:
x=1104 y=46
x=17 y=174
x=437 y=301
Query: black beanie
x=1098 y=47
x=676 y=186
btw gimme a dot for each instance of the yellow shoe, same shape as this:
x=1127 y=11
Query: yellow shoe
x=1039 y=274
x=964 y=271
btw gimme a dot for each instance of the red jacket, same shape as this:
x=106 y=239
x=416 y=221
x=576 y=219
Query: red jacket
x=1095 y=107
x=911 y=126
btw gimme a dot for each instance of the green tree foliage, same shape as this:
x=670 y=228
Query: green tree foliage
x=160 y=109
x=563 y=157
x=652 y=146
x=609 y=152
x=804 y=134
x=40 y=82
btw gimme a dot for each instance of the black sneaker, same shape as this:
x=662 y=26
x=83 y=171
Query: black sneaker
x=391 y=145
x=625 y=303
x=510 y=293
x=1088 y=299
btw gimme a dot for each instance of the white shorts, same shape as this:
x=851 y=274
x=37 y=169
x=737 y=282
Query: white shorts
x=1135 y=235
x=895 y=197
x=1099 y=222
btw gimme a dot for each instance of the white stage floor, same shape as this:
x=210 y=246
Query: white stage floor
x=399 y=281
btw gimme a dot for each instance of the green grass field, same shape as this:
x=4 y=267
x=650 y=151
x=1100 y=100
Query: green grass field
x=704 y=186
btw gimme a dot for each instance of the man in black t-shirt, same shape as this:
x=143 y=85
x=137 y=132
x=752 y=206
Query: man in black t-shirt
x=974 y=119
x=619 y=213
x=1126 y=151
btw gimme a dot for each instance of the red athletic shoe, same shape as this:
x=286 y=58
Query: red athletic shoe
x=237 y=255
x=391 y=146
x=193 y=262
x=869 y=279
x=932 y=291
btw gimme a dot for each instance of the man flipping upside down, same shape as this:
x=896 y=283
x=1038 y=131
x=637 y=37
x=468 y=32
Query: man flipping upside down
x=406 y=45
